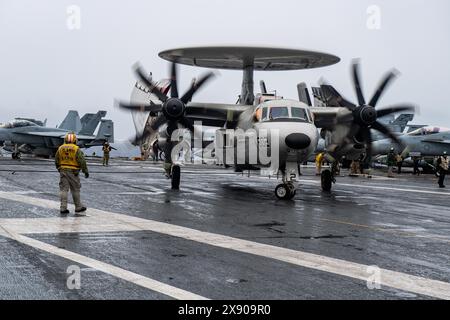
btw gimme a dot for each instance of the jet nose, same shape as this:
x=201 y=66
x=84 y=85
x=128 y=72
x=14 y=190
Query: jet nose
x=297 y=141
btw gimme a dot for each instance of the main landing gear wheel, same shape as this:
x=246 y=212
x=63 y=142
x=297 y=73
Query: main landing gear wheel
x=16 y=155
x=326 y=180
x=176 y=175
x=285 y=191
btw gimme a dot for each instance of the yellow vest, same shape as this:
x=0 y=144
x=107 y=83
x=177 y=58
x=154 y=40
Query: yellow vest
x=67 y=156
x=319 y=158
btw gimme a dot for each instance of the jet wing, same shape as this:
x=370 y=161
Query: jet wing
x=50 y=134
x=54 y=134
x=214 y=114
x=328 y=117
x=437 y=141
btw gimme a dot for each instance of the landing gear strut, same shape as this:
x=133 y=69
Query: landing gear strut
x=175 y=176
x=326 y=180
x=16 y=153
x=286 y=190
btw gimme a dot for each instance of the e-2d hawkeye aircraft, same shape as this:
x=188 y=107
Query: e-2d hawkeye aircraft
x=345 y=127
x=24 y=136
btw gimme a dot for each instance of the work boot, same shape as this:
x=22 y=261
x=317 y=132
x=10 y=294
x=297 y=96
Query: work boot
x=77 y=201
x=64 y=212
x=81 y=212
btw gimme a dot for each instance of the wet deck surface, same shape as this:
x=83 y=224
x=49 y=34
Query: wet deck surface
x=222 y=236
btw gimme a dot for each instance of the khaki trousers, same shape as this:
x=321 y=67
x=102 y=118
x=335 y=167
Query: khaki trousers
x=69 y=180
x=106 y=159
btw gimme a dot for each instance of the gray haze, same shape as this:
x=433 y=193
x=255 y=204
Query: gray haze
x=45 y=68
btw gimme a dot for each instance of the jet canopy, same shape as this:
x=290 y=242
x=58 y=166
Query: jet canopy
x=427 y=131
x=17 y=124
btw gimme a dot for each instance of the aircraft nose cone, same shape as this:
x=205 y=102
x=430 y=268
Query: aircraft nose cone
x=297 y=141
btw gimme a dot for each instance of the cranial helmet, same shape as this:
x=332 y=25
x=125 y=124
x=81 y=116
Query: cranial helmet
x=70 y=138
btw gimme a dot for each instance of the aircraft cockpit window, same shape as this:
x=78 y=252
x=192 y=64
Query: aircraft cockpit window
x=299 y=113
x=427 y=130
x=264 y=113
x=278 y=112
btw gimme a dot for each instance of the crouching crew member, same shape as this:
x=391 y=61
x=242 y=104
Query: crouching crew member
x=69 y=160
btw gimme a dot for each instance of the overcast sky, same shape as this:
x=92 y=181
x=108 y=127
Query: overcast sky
x=46 y=68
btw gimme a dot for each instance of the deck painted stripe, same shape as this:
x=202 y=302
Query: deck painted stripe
x=104 y=221
x=106 y=268
x=442 y=193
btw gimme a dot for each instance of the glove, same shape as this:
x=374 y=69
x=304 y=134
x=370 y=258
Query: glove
x=86 y=175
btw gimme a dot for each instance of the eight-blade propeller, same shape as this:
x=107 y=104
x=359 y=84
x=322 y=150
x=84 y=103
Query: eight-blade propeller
x=171 y=110
x=365 y=116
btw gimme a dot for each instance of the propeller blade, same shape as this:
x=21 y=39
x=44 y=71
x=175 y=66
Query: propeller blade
x=357 y=83
x=187 y=123
x=158 y=122
x=171 y=127
x=195 y=86
x=381 y=88
x=139 y=107
x=367 y=138
x=387 y=132
x=140 y=73
x=394 y=109
x=173 y=81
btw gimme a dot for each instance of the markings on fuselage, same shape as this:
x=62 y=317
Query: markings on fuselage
x=104 y=221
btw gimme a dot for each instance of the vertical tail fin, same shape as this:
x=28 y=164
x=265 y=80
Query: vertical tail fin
x=90 y=122
x=303 y=93
x=71 y=122
x=106 y=131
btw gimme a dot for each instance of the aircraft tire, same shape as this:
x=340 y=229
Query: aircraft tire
x=284 y=192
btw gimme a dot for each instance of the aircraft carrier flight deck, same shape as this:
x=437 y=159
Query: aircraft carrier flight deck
x=223 y=235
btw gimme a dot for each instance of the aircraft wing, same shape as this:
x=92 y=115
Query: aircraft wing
x=327 y=117
x=437 y=141
x=214 y=114
x=50 y=134
x=54 y=134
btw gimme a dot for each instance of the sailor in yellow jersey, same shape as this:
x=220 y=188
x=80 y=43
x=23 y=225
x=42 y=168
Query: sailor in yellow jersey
x=69 y=160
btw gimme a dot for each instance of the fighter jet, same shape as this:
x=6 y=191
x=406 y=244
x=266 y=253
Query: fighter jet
x=284 y=130
x=24 y=136
x=423 y=142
